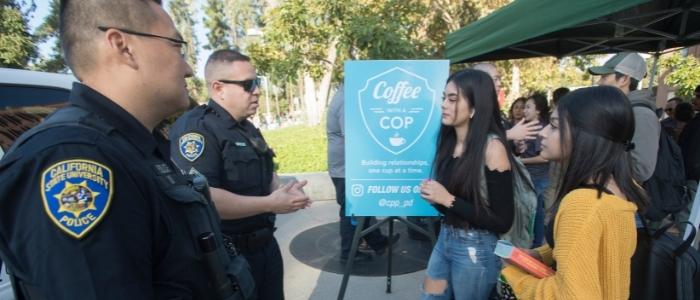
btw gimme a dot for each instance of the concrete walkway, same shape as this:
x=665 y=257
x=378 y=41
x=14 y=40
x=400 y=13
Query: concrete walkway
x=303 y=282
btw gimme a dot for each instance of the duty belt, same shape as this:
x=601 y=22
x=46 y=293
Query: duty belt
x=249 y=241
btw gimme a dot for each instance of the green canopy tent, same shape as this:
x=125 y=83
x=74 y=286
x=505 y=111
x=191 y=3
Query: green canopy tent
x=535 y=28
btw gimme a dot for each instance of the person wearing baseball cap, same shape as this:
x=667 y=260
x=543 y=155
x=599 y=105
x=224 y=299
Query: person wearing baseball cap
x=625 y=70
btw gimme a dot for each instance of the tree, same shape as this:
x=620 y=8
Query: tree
x=217 y=23
x=15 y=41
x=684 y=75
x=243 y=15
x=306 y=41
x=182 y=12
x=47 y=31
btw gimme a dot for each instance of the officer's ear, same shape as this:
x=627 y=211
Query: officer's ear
x=217 y=88
x=119 y=45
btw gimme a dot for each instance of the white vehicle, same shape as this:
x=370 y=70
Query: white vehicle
x=25 y=98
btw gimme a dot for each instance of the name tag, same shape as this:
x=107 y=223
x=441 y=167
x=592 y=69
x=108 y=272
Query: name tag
x=240 y=144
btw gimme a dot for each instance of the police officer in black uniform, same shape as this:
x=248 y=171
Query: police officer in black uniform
x=218 y=141
x=91 y=206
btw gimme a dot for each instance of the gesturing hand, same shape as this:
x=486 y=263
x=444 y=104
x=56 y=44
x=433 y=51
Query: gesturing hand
x=524 y=131
x=435 y=192
x=289 y=198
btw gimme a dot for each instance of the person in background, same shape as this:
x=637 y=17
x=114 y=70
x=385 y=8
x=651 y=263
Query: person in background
x=515 y=113
x=558 y=94
x=591 y=239
x=335 y=130
x=682 y=114
x=669 y=123
x=696 y=100
x=625 y=71
x=536 y=110
x=471 y=154
x=517 y=131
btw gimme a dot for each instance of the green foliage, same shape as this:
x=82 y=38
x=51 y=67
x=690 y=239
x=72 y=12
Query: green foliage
x=543 y=74
x=216 y=22
x=17 y=47
x=299 y=148
x=243 y=15
x=47 y=31
x=684 y=74
x=182 y=12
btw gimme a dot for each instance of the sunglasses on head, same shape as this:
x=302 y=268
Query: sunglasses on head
x=248 y=85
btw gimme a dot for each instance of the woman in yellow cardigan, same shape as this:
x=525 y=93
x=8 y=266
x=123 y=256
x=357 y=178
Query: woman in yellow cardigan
x=592 y=237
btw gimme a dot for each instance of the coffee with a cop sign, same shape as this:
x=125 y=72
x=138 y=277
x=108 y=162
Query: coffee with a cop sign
x=392 y=116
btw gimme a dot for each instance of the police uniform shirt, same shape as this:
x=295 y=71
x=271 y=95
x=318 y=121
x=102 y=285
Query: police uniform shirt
x=232 y=156
x=84 y=217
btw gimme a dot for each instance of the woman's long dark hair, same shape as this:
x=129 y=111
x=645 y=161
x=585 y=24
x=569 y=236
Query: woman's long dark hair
x=477 y=88
x=541 y=105
x=596 y=129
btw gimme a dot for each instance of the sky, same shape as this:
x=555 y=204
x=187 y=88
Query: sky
x=42 y=9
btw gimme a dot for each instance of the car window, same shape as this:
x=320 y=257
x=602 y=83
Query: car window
x=23 y=107
x=22 y=95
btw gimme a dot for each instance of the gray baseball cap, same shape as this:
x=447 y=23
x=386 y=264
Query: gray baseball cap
x=628 y=63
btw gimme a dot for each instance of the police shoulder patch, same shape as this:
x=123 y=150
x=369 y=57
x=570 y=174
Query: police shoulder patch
x=77 y=194
x=191 y=146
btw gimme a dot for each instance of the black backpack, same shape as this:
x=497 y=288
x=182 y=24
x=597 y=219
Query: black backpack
x=667 y=186
x=665 y=266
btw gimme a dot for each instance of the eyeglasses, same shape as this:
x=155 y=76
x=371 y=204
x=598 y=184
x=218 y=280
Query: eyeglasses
x=181 y=44
x=668 y=109
x=248 y=85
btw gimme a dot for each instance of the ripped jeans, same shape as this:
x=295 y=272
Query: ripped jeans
x=465 y=259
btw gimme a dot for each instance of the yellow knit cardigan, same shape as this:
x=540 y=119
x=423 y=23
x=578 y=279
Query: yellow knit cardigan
x=594 y=242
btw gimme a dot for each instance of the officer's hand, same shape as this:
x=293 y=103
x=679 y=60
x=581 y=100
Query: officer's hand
x=298 y=189
x=286 y=200
x=524 y=131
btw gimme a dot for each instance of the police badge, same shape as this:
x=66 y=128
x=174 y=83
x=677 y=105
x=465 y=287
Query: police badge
x=77 y=194
x=191 y=146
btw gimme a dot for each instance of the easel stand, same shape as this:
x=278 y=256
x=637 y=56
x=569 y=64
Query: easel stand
x=359 y=233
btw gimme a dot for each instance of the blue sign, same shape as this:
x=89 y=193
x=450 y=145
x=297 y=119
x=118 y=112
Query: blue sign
x=392 y=117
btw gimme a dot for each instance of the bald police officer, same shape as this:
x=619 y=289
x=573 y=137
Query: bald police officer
x=218 y=141
x=90 y=205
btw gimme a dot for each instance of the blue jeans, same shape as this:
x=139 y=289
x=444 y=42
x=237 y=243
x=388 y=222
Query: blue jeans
x=541 y=184
x=465 y=259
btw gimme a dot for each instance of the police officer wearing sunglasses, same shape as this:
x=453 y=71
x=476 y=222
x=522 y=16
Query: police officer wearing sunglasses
x=218 y=141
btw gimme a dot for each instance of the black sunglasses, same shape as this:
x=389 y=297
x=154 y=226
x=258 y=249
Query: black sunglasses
x=181 y=43
x=248 y=85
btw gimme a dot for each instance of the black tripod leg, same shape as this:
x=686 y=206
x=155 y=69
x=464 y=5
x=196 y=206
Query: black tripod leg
x=353 y=251
x=390 y=255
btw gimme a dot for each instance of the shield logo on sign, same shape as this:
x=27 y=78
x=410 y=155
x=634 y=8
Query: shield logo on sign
x=396 y=106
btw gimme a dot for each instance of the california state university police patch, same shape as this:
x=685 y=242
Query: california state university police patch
x=191 y=146
x=77 y=194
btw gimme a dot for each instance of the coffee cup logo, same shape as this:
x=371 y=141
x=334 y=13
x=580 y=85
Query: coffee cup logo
x=396 y=140
x=396 y=106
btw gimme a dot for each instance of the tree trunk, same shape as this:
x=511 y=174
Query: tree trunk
x=515 y=84
x=310 y=101
x=325 y=84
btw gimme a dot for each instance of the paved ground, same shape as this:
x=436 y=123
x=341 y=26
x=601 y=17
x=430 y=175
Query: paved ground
x=304 y=282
